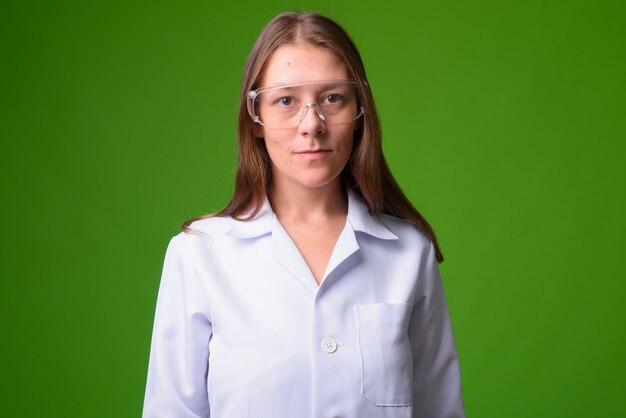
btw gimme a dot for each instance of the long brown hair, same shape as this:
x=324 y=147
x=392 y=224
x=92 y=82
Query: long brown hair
x=366 y=173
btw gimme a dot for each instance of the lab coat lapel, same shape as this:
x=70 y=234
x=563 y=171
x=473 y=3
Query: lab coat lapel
x=358 y=220
x=287 y=254
x=346 y=246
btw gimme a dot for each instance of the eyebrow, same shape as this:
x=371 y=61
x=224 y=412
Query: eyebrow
x=328 y=81
x=322 y=86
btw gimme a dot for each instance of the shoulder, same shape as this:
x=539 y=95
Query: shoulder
x=415 y=249
x=202 y=232
x=210 y=226
x=407 y=232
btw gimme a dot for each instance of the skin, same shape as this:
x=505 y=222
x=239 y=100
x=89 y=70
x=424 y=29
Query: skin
x=307 y=160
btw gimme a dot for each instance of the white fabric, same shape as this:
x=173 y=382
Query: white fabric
x=243 y=330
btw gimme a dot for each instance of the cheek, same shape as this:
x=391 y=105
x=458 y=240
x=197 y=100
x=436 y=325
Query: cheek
x=346 y=141
x=270 y=139
x=347 y=152
x=276 y=146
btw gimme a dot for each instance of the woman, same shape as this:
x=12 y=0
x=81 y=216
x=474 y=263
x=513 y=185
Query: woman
x=315 y=292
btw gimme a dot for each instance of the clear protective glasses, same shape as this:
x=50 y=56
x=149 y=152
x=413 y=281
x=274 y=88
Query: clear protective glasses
x=285 y=106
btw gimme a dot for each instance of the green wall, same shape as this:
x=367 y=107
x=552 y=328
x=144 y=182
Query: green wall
x=504 y=121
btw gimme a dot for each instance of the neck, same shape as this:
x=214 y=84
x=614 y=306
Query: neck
x=308 y=204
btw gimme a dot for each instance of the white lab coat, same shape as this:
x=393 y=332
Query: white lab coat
x=243 y=330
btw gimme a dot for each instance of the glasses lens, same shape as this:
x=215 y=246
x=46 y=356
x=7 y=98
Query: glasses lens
x=286 y=106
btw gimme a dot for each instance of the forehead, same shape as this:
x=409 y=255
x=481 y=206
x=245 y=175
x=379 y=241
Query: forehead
x=293 y=64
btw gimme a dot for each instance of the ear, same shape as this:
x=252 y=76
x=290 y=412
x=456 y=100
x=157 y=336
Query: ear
x=258 y=130
x=359 y=122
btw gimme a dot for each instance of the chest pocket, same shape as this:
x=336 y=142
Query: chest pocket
x=386 y=362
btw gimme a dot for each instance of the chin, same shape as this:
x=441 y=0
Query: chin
x=317 y=182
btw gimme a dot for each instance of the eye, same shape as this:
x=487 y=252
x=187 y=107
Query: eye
x=334 y=98
x=284 y=101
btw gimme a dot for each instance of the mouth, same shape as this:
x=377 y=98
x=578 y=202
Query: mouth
x=313 y=154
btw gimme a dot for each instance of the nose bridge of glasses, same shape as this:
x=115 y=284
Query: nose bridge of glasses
x=309 y=105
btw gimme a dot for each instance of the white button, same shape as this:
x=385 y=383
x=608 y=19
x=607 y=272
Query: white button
x=329 y=345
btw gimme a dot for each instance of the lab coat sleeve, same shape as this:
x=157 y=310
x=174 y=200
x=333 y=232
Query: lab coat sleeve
x=436 y=373
x=177 y=372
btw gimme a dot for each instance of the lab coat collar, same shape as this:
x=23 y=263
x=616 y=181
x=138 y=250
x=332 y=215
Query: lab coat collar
x=361 y=220
x=358 y=217
x=261 y=224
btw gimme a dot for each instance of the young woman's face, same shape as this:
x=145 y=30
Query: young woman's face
x=313 y=153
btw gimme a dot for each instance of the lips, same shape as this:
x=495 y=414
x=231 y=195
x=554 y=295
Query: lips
x=313 y=154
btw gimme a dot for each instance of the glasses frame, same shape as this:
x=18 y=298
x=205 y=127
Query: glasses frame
x=254 y=94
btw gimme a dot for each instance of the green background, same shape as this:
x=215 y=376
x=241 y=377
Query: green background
x=503 y=121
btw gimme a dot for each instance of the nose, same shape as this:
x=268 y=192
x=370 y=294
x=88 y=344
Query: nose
x=312 y=122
